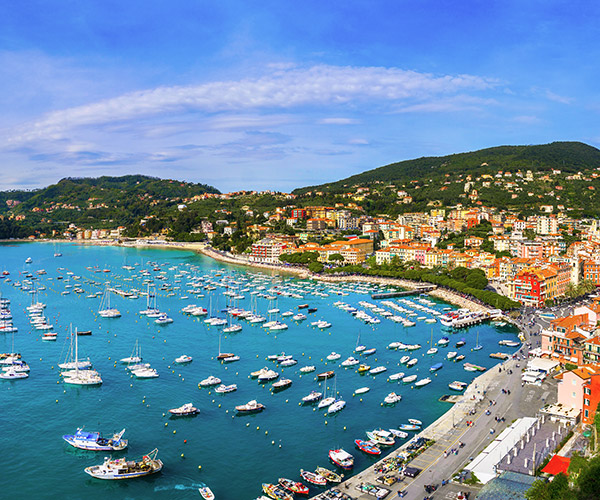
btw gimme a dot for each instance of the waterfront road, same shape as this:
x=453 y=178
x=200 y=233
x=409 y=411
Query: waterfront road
x=487 y=395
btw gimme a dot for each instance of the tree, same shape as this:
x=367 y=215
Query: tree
x=315 y=267
x=336 y=257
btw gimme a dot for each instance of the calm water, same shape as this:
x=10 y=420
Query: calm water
x=236 y=454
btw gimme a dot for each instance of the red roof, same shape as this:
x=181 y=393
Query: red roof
x=557 y=465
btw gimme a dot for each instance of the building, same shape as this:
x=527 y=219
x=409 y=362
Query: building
x=591 y=398
x=267 y=250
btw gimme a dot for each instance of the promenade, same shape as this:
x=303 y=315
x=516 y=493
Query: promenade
x=438 y=463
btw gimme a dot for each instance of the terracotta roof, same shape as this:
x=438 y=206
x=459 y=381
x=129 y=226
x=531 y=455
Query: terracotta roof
x=557 y=465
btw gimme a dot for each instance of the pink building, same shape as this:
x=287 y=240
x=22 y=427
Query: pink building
x=571 y=385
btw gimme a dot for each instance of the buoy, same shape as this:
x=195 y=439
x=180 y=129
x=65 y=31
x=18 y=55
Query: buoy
x=166 y=423
x=257 y=428
x=57 y=400
x=325 y=422
x=272 y=442
x=199 y=467
x=182 y=456
x=266 y=433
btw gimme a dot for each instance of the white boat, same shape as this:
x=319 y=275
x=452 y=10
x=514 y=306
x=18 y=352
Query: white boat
x=224 y=389
x=136 y=355
x=392 y=398
x=422 y=382
x=308 y=369
x=312 y=397
x=377 y=369
x=326 y=402
x=457 y=385
x=362 y=390
x=163 y=319
x=105 y=311
x=398 y=434
x=12 y=374
x=414 y=421
x=184 y=358
x=145 y=373
x=404 y=359
x=451 y=354
x=333 y=356
x=396 y=376
x=432 y=350
x=336 y=406
x=95 y=442
x=381 y=437
x=412 y=362
x=288 y=362
x=408 y=379
x=268 y=375
x=81 y=377
x=121 y=468
x=207 y=382
x=351 y=361
x=233 y=329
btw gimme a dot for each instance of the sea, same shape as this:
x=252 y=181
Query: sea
x=232 y=454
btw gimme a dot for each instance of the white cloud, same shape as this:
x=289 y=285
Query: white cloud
x=284 y=88
x=339 y=121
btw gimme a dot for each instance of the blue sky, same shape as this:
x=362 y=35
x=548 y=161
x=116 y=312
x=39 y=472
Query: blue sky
x=283 y=94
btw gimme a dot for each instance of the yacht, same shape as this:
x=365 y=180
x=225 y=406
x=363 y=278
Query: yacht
x=95 y=442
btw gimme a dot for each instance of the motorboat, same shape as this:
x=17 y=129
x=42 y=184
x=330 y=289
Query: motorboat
x=121 y=468
x=231 y=359
x=409 y=427
x=408 y=379
x=398 y=434
x=368 y=447
x=224 y=389
x=392 y=398
x=288 y=362
x=233 y=329
x=326 y=402
x=381 y=437
x=250 y=407
x=432 y=351
x=206 y=493
x=341 y=458
x=457 y=385
x=422 y=382
x=276 y=492
x=362 y=390
x=185 y=410
x=307 y=369
x=412 y=362
x=282 y=384
x=183 y=359
x=325 y=375
x=333 y=356
x=396 y=376
x=293 y=486
x=443 y=342
x=460 y=343
x=268 y=375
x=451 y=354
x=414 y=421
x=329 y=475
x=458 y=358
x=368 y=352
x=351 y=361
x=436 y=367
x=404 y=359
x=313 y=397
x=363 y=368
x=207 y=382
x=95 y=442
x=377 y=369
x=313 y=478
x=12 y=374
x=256 y=373
x=145 y=372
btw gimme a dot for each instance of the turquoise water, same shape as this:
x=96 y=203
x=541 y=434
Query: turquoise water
x=236 y=454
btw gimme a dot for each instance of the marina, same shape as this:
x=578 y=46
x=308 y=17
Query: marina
x=124 y=400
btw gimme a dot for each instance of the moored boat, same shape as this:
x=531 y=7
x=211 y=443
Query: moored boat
x=329 y=475
x=368 y=447
x=206 y=492
x=276 y=492
x=325 y=375
x=341 y=458
x=293 y=486
x=313 y=478
x=185 y=410
x=250 y=407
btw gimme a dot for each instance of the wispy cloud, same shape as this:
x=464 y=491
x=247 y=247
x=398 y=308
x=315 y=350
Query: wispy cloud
x=338 y=121
x=285 y=88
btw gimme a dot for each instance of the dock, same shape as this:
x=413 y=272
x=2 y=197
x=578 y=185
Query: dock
x=403 y=293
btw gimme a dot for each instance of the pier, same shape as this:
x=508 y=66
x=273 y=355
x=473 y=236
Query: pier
x=403 y=293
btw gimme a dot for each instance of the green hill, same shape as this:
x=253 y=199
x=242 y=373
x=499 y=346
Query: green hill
x=569 y=157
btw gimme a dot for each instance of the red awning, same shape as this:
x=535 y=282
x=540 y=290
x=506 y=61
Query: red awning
x=557 y=465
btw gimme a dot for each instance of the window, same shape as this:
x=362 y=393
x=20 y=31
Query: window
x=586 y=402
x=586 y=413
x=573 y=394
x=587 y=391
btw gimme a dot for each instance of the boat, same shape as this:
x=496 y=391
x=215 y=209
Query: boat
x=392 y=398
x=362 y=390
x=267 y=376
x=121 y=468
x=13 y=374
x=436 y=367
x=313 y=397
x=368 y=352
x=409 y=427
x=338 y=405
x=477 y=346
x=326 y=402
x=499 y=355
x=422 y=382
x=404 y=359
x=460 y=343
x=224 y=389
x=412 y=362
x=250 y=407
x=329 y=475
x=207 y=382
x=457 y=385
x=325 y=375
x=206 y=492
x=163 y=319
x=381 y=437
x=509 y=343
x=282 y=384
x=432 y=351
x=145 y=372
x=81 y=377
x=443 y=342
x=275 y=492
x=313 y=478
x=351 y=361
x=470 y=367
x=105 y=311
x=377 y=369
x=408 y=379
x=341 y=458
x=83 y=332
x=307 y=369
x=398 y=434
x=183 y=359
x=363 y=368
x=185 y=410
x=458 y=358
x=95 y=442
x=293 y=486
x=368 y=447
x=396 y=376
x=333 y=356
x=414 y=421
x=136 y=355
x=451 y=354
x=28 y=260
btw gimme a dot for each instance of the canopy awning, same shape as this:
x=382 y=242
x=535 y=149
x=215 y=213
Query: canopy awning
x=556 y=465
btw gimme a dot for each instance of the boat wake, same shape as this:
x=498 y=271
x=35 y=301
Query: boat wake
x=192 y=486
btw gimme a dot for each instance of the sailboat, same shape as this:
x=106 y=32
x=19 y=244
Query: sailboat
x=151 y=310
x=105 y=310
x=431 y=350
x=477 y=346
x=69 y=363
x=223 y=355
x=136 y=354
x=359 y=347
x=81 y=377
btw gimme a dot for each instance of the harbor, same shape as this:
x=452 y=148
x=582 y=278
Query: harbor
x=342 y=319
